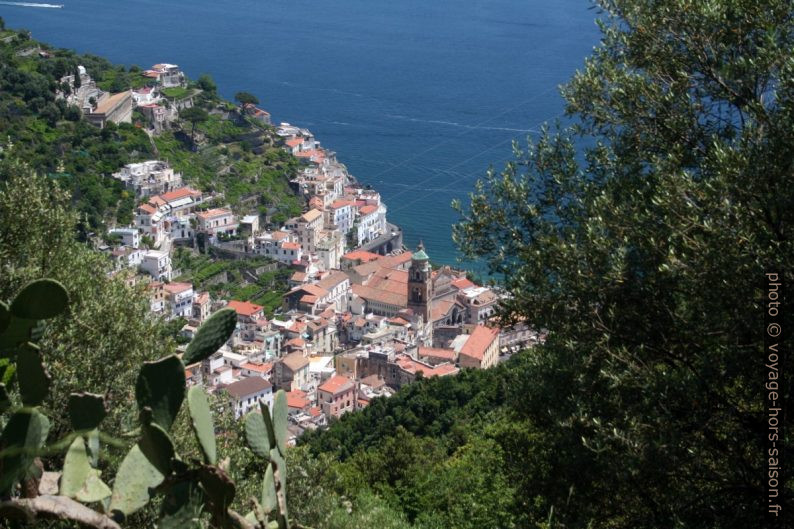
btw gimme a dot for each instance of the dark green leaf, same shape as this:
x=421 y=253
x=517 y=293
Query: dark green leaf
x=211 y=336
x=86 y=410
x=40 y=299
x=161 y=387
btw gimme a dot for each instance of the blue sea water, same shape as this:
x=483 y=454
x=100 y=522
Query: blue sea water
x=417 y=97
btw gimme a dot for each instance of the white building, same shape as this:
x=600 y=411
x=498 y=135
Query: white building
x=180 y=299
x=248 y=393
x=340 y=214
x=146 y=95
x=215 y=221
x=151 y=221
x=371 y=223
x=168 y=75
x=157 y=264
x=127 y=257
x=148 y=178
x=279 y=246
x=129 y=236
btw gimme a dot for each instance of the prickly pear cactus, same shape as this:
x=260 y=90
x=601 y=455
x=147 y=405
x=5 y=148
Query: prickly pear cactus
x=151 y=467
x=211 y=336
x=266 y=433
x=201 y=419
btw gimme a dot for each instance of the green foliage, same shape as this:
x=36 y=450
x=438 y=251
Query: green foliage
x=246 y=98
x=639 y=238
x=207 y=84
x=176 y=92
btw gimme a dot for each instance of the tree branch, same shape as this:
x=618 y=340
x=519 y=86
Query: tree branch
x=57 y=508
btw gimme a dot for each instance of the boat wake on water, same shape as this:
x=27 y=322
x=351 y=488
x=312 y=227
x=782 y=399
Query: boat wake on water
x=32 y=4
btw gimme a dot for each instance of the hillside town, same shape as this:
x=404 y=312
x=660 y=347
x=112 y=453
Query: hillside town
x=363 y=315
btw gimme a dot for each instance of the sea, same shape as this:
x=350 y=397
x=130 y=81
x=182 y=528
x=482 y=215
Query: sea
x=419 y=98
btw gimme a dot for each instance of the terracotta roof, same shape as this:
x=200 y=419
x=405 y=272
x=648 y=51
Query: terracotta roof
x=177 y=288
x=398 y=321
x=441 y=308
x=295 y=361
x=290 y=245
x=361 y=255
x=336 y=204
x=297 y=399
x=381 y=296
x=296 y=342
x=244 y=308
x=463 y=283
x=444 y=369
x=336 y=384
x=313 y=290
x=202 y=298
x=391 y=280
x=311 y=215
x=447 y=354
x=258 y=367
x=413 y=366
x=315 y=155
x=366 y=210
x=314 y=411
x=278 y=235
x=294 y=142
x=212 y=213
x=180 y=193
x=478 y=342
x=248 y=386
x=298 y=276
x=147 y=208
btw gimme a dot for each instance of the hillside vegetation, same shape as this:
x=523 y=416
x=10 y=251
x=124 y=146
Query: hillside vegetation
x=56 y=141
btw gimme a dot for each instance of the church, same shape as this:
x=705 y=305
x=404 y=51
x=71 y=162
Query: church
x=407 y=284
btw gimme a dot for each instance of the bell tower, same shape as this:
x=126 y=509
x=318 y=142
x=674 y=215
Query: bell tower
x=420 y=284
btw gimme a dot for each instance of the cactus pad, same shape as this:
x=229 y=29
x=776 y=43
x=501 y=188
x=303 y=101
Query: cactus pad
x=201 y=419
x=76 y=468
x=40 y=299
x=26 y=432
x=256 y=433
x=157 y=446
x=161 y=387
x=280 y=413
x=211 y=336
x=34 y=381
x=269 y=498
x=135 y=477
x=86 y=410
